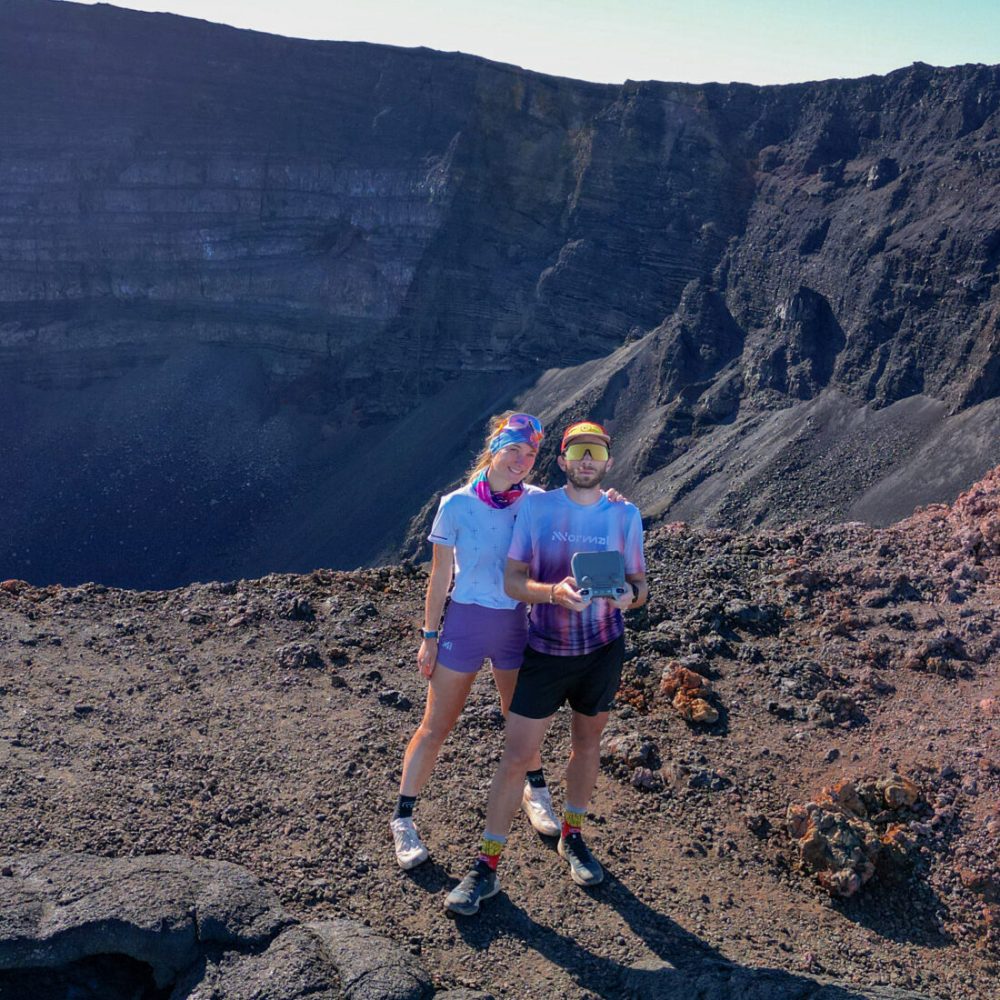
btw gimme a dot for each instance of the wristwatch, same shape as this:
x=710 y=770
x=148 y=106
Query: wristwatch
x=429 y=633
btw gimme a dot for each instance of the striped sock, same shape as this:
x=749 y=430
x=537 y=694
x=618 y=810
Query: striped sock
x=489 y=849
x=573 y=818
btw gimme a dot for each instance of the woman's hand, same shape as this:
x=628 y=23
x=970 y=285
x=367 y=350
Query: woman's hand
x=615 y=497
x=427 y=656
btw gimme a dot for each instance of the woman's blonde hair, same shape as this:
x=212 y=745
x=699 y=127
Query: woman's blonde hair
x=483 y=459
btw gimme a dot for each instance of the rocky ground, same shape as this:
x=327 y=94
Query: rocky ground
x=263 y=722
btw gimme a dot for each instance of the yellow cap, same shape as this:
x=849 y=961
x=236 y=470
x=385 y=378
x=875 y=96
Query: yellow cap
x=584 y=428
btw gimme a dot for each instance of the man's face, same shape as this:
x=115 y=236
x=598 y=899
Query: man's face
x=587 y=472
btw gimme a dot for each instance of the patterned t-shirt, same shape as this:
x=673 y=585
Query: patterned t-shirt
x=549 y=529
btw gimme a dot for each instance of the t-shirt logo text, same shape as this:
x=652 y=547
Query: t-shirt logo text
x=565 y=536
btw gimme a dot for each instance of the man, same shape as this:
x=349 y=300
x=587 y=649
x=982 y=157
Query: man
x=575 y=650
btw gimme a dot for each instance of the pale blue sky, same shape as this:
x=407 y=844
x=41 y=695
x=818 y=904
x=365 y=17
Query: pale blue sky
x=755 y=41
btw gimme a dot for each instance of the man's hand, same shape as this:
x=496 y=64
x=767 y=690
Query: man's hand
x=567 y=596
x=625 y=601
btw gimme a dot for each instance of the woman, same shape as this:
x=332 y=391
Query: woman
x=471 y=534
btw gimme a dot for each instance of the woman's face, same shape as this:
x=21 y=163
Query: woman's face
x=514 y=461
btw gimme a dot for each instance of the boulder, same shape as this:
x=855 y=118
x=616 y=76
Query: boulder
x=188 y=929
x=851 y=827
x=295 y=965
x=56 y=909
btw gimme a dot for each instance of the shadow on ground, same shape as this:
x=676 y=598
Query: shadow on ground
x=685 y=967
x=905 y=910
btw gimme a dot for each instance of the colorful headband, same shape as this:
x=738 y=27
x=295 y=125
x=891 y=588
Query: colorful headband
x=518 y=428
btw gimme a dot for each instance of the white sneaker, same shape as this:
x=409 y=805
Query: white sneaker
x=537 y=803
x=410 y=849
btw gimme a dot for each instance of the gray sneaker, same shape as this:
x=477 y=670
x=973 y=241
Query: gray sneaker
x=537 y=803
x=481 y=883
x=584 y=868
x=410 y=849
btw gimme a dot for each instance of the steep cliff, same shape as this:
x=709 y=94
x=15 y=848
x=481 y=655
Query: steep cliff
x=257 y=295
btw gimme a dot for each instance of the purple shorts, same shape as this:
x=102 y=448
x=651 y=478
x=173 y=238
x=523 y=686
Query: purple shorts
x=471 y=633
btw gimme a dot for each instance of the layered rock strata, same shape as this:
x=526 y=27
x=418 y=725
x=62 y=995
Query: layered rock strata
x=247 y=283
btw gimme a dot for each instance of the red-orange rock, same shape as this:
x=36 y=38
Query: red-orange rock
x=842 y=834
x=680 y=678
x=844 y=795
x=688 y=691
x=694 y=709
x=838 y=847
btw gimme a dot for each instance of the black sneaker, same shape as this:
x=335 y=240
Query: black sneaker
x=584 y=868
x=479 y=884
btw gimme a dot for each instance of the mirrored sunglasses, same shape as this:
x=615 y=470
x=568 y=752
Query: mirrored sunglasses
x=519 y=420
x=598 y=452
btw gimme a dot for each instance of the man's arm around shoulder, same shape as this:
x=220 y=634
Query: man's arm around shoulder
x=638 y=591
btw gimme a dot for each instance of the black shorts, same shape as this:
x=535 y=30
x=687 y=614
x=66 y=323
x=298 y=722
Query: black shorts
x=588 y=682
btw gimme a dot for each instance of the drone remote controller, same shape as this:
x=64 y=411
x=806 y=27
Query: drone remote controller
x=599 y=574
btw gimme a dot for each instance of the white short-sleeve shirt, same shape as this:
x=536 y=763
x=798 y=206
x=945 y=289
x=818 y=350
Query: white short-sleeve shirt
x=480 y=535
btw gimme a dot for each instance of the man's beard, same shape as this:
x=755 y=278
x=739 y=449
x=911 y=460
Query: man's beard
x=585 y=481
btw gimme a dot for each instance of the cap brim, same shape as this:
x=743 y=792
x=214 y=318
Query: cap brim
x=586 y=434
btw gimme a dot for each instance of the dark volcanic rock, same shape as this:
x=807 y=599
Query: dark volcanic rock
x=59 y=909
x=370 y=967
x=295 y=965
x=252 y=283
x=79 y=925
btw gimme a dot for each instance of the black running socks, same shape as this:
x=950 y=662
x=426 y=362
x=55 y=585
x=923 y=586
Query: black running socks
x=404 y=807
x=536 y=778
